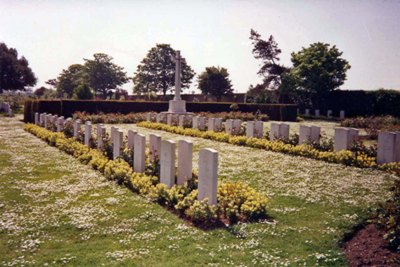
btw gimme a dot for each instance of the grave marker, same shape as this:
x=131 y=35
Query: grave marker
x=167 y=163
x=208 y=175
x=139 y=161
x=185 y=156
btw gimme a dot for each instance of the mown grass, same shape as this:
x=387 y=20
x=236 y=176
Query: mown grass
x=79 y=219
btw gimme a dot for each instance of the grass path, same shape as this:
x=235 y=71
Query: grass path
x=55 y=211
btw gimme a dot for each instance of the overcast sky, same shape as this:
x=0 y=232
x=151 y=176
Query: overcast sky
x=55 y=34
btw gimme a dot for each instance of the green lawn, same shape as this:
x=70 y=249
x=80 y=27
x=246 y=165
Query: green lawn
x=56 y=211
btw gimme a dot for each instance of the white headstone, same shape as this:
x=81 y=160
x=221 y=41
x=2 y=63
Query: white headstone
x=218 y=124
x=181 y=121
x=117 y=143
x=159 y=118
x=309 y=134
x=36 y=118
x=139 y=161
x=259 y=129
x=250 y=129
x=189 y=120
x=229 y=126
x=342 y=114
x=307 y=112
x=169 y=119
x=329 y=113
x=284 y=130
x=236 y=126
x=317 y=113
x=344 y=138
x=386 y=147
x=185 y=155
x=208 y=175
x=167 y=163
x=202 y=123
x=41 y=119
x=315 y=134
x=304 y=134
x=113 y=132
x=88 y=132
x=46 y=121
x=274 y=132
x=211 y=124
x=195 y=122
x=155 y=146
x=131 y=139
x=77 y=128
x=100 y=131
x=148 y=116
x=60 y=124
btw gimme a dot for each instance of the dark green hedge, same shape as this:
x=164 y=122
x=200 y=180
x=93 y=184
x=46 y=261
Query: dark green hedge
x=68 y=107
x=361 y=103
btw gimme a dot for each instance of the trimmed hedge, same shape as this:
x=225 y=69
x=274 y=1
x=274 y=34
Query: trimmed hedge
x=66 y=108
x=361 y=103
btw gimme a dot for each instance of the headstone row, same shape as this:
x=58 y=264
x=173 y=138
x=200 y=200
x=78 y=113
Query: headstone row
x=163 y=150
x=328 y=113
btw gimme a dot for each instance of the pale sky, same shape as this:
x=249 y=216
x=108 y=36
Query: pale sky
x=55 y=34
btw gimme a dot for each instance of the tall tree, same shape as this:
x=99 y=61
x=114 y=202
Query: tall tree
x=103 y=75
x=215 y=81
x=268 y=52
x=68 y=80
x=318 y=70
x=156 y=72
x=15 y=73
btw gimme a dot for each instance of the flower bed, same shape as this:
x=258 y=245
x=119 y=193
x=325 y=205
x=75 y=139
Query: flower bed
x=345 y=157
x=236 y=201
x=112 y=118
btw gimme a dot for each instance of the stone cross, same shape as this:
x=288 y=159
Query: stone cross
x=178 y=61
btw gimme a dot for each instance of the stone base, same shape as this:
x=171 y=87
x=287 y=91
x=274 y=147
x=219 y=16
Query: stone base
x=177 y=106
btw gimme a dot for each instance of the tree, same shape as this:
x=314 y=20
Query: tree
x=121 y=94
x=214 y=81
x=15 y=74
x=82 y=92
x=268 y=52
x=103 y=75
x=68 y=80
x=318 y=70
x=156 y=72
x=40 y=91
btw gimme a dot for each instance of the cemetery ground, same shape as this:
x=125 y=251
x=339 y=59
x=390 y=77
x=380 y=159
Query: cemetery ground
x=55 y=210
